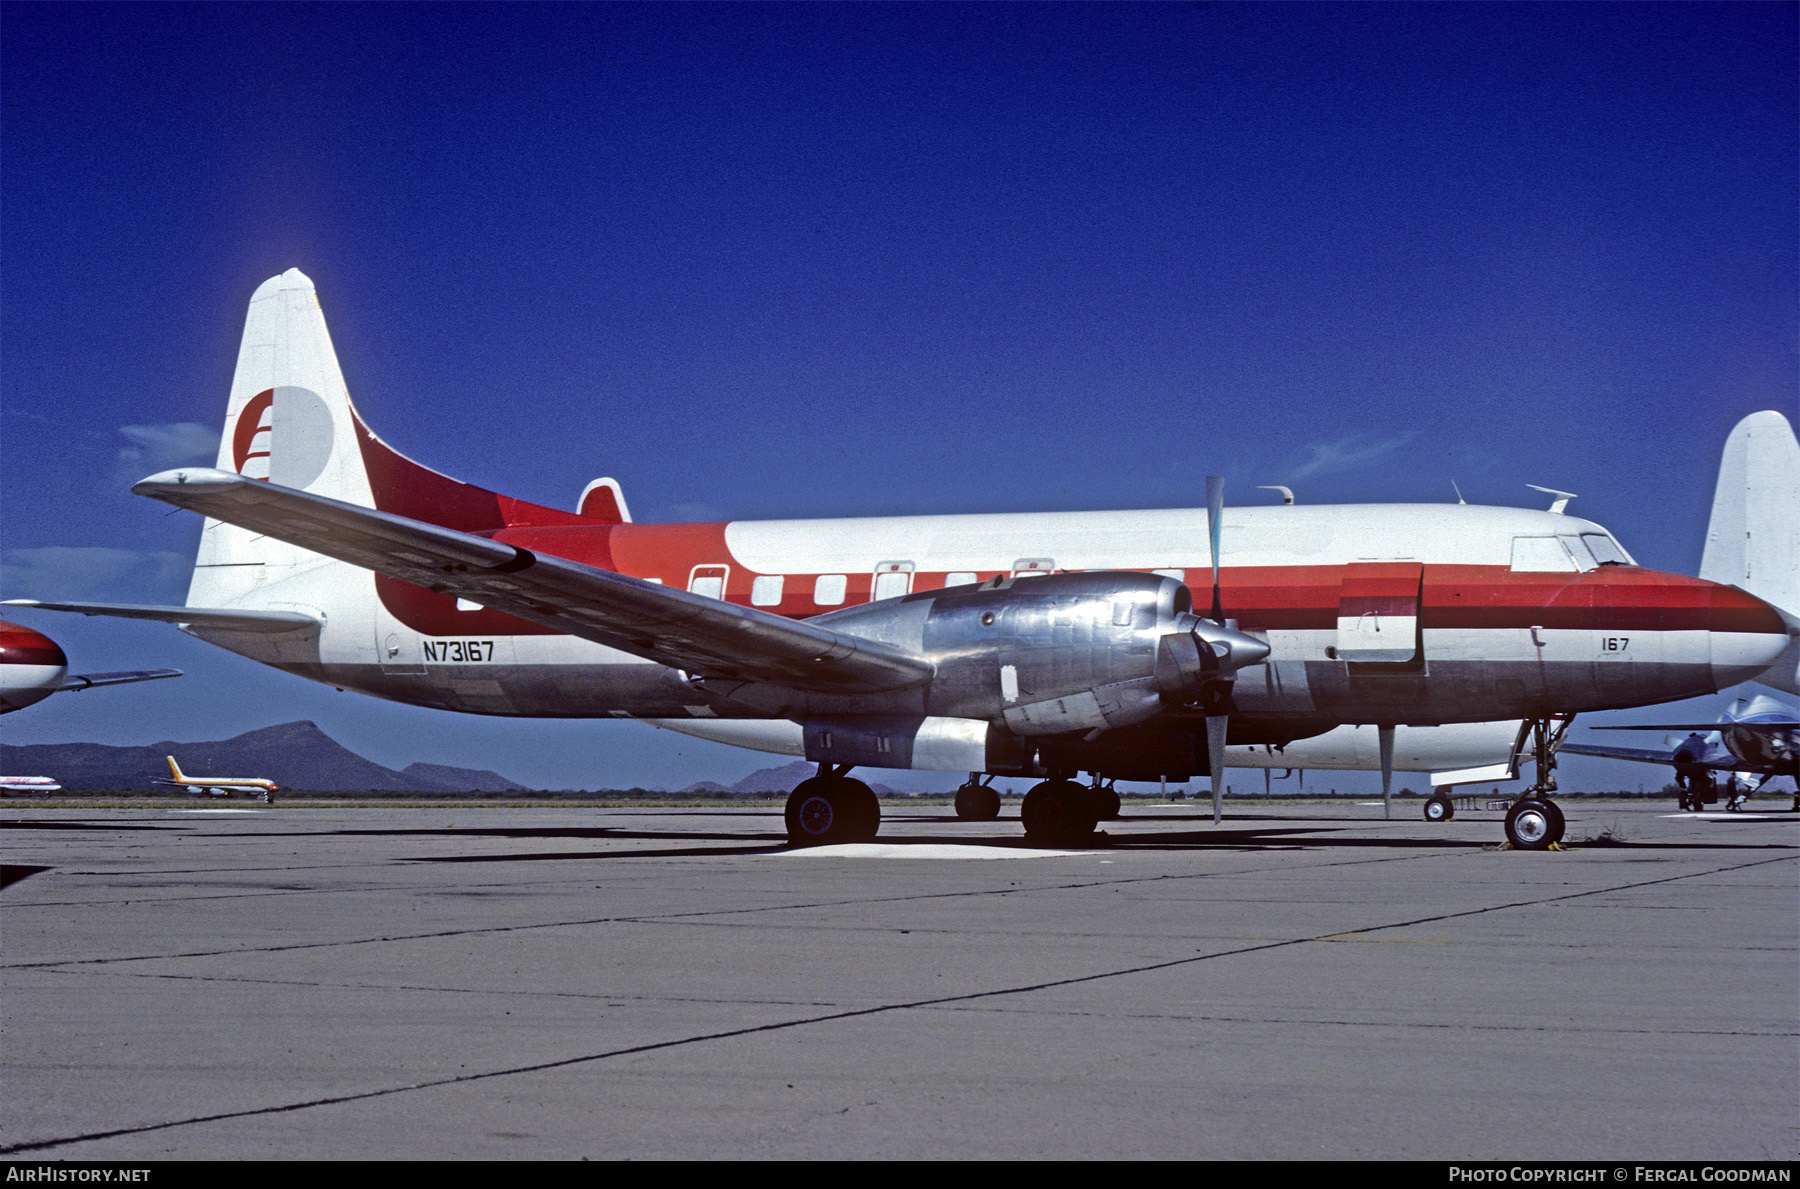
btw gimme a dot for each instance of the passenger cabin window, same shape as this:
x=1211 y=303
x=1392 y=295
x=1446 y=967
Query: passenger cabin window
x=960 y=578
x=1178 y=575
x=708 y=581
x=891 y=585
x=766 y=590
x=1541 y=555
x=828 y=591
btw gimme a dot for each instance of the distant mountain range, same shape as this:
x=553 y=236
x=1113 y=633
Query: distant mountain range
x=299 y=756
x=774 y=780
x=295 y=755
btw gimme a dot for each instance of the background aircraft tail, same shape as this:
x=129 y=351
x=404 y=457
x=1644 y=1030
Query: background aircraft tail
x=1753 y=538
x=174 y=768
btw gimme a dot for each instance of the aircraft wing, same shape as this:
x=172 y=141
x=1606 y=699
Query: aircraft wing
x=1642 y=755
x=673 y=627
x=90 y=680
x=206 y=617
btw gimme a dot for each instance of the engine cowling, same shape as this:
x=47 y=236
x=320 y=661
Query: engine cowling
x=1062 y=653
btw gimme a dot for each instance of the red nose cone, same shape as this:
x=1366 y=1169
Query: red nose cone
x=19 y=645
x=1733 y=610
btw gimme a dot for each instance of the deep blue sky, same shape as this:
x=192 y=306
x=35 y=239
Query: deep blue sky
x=771 y=260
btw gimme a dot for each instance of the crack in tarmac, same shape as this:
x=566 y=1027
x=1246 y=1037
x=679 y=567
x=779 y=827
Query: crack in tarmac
x=832 y=1017
x=653 y=918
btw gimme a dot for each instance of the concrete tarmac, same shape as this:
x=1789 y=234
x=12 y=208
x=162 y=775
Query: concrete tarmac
x=1305 y=981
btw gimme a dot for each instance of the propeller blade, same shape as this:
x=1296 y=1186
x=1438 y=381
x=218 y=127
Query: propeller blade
x=1215 y=758
x=1215 y=516
x=1386 y=736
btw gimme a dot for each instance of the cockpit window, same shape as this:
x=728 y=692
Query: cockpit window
x=1606 y=551
x=1541 y=555
x=1584 y=561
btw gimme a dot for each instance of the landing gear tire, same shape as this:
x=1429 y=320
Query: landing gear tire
x=1105 y=803
x=977 y=803
x=1439 y=808
x=1533 y=824
x=827 y=809
x=1057 y=812
x=1558 y=823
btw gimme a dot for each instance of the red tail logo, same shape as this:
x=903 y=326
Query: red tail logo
x=254 y=423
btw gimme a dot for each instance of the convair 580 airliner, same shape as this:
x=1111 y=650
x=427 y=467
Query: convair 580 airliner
x=1044 y=645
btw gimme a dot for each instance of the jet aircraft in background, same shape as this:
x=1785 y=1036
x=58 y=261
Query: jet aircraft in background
x=33 y=666
x=220 y=786
x=1756 y=737
x=29 y=784
x=1044 y=645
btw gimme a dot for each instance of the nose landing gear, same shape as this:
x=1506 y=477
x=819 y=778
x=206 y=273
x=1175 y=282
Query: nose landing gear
x=1535 y=822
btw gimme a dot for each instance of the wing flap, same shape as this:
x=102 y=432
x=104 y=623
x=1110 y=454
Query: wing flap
x=673 y=627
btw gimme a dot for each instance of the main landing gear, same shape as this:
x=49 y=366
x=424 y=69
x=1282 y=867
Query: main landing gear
x=1060 y=812
x=1057 y=811
x=1535 y=822
x=977 y=801
x=831 y=807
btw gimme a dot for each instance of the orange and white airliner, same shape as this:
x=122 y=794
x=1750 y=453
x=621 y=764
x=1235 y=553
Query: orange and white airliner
x=220 y=786
x=1045 y=645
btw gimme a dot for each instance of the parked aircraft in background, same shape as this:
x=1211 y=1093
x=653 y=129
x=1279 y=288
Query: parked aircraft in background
x=29 y=784
x=1756 y=737
x=220 y=786
x=33 y=666
x=1044 y=645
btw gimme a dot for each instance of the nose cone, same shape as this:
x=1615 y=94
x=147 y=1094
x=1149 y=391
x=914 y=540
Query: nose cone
x=32 y=667
x=1234 y=649
x=1746 y=635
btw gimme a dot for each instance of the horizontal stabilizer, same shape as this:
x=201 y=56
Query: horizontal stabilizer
x=90 y=680
x=686 y=631
x=221 y=618
x=1707 y=726
x=1641 y=755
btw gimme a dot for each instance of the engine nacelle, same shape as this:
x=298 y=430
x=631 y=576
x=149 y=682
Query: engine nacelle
x=1058 y=654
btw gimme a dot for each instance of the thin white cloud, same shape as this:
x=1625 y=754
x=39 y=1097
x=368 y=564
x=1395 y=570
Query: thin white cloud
x=1347 y=453
x=159 y=447
x=94 y=572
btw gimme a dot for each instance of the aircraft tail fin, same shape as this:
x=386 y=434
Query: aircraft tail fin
x=1753 y=538
x=290 y=421
x=174 y=768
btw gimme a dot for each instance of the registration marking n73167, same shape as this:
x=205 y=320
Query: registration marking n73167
x=458 y=652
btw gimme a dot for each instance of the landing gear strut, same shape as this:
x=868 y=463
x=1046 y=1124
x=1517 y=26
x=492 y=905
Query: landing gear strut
x=831 y=807
x=1104 y=800
x=1535 y=822
x=976 y=800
